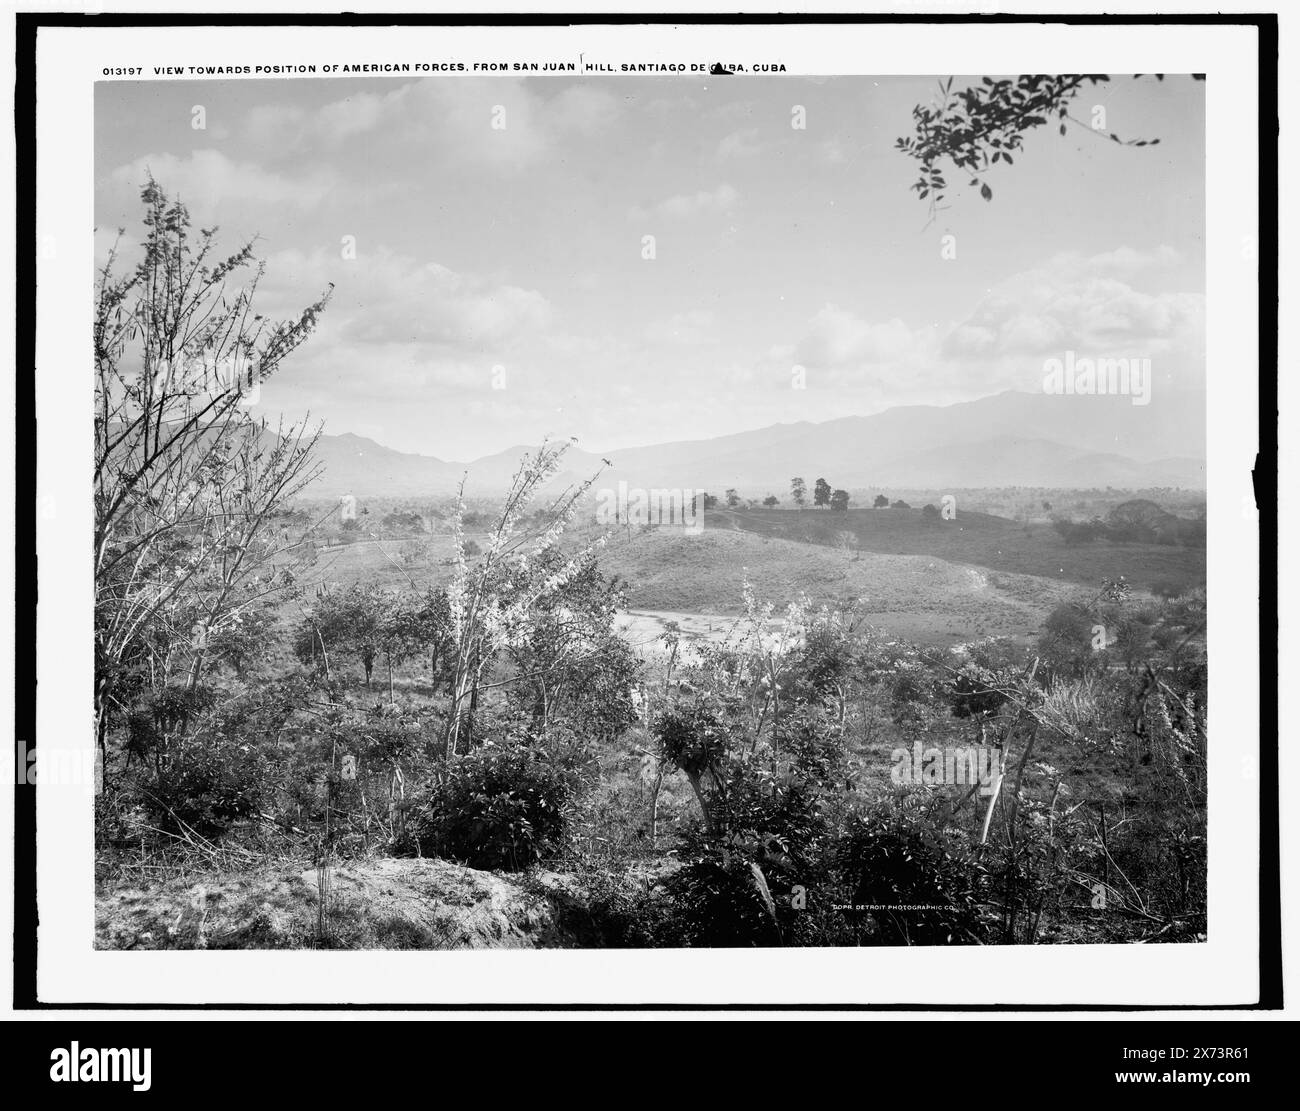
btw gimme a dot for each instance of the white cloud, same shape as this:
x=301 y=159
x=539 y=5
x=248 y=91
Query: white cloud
x=405 y=337
x=1106 y=305
x=1076 y=302
x=694 y=326
x=1122 y=260
x=840 y=338
x=274 y=124
x=382 y=296
x=500 y=122
x=1089 y=304
x=207 y=178
x=583 y=109
x=684 y=205
x=740 y=144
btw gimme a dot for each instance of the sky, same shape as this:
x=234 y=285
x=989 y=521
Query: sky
x=492 y=284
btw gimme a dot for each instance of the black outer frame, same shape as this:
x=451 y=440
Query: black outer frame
x=25 y=579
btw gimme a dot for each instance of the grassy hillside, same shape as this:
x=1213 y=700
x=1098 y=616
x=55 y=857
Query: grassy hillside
x=913 y=595
x=981 y=539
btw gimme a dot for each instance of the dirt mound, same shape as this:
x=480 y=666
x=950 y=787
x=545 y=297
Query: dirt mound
x=375 y=904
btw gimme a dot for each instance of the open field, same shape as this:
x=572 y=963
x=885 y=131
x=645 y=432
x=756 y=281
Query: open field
x=912 y=595
x=982 y=539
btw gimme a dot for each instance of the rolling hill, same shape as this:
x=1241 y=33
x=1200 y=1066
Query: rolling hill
x=1010 y=439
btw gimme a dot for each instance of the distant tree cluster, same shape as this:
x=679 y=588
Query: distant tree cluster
x=823 y=496
x=1134 y=522
x=402 y=524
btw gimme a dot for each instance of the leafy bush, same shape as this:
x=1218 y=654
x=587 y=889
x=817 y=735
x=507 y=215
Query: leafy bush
x=1079 y=532
x=984 y=671
x=769 y=826
x=692 y=736
x=1065 y=645
x=502 y=806
x=207 y=784
x=721 y=899
x=893 y=857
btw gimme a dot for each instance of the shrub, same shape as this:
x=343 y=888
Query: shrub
x=768 y=833
x=985 y=669
x=1065 y=645
x=721 y=899
x=892 y=857
x=692 y=736
x=207 y=785
x=503 y=806
x=1081 y=532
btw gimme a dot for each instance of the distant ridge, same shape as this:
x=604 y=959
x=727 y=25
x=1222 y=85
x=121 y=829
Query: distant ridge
x=1008 y=439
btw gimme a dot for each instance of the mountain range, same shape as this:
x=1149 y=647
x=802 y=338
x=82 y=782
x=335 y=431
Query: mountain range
x=1008 y=439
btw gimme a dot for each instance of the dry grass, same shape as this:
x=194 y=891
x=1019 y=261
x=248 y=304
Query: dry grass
x=375 y=904
x=981 y=539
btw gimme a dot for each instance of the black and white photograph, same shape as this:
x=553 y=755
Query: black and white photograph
x=652 y=488
x=672 y=510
